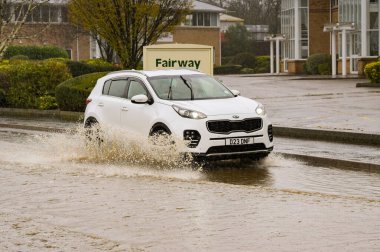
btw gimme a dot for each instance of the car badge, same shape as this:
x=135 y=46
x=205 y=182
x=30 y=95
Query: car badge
x=235 y=116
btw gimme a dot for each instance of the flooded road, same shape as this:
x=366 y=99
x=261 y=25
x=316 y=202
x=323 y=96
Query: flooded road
x=57 y=196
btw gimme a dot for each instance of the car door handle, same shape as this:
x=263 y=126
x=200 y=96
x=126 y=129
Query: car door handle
x=101 y=104
x=124 y=109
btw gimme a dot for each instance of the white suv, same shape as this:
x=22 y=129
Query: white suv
x=216 y=121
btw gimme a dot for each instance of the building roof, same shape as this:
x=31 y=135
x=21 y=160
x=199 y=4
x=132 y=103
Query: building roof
x=227 y=18
x=205 y=7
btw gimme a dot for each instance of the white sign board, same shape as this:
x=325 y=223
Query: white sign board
x=179 y=56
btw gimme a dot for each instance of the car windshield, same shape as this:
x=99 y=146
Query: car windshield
x=189 y=87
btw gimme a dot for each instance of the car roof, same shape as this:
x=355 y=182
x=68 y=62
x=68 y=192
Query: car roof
x=155 y=73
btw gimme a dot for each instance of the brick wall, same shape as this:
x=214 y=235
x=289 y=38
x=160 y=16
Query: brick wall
x=199 y=35
x=61 y=35
x=319 y=14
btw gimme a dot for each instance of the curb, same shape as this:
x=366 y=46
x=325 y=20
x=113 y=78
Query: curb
x=336 y=163
x=370 y=85
x=57 y=114
x=328 y=135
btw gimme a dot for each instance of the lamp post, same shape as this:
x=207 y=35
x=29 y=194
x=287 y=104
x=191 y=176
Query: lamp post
x=275 y=38
x=333 y=29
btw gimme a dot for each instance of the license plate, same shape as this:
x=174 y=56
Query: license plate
x=239 y=141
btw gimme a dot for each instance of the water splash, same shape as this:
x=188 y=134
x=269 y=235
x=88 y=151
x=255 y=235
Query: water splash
x=115 y=146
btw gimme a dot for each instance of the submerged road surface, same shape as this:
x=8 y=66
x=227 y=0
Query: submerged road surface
x=57 y=194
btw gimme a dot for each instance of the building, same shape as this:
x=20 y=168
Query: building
x=49 y=25
x=302 y=22
x=202 y=27
x=226 y=21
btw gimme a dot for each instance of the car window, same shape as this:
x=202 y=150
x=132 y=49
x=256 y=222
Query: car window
x=136 y=88
x=106 y=87
x=189 y=87
x=118 y=88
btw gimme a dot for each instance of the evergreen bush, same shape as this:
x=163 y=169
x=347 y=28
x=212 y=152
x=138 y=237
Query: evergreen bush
x=30 y=80
x=313 y=62
x=72 y=94
x=227 y=69
x=36 y=52
x=246 y=60
x=372 y=72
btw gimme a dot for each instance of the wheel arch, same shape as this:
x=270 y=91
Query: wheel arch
x=159 y=125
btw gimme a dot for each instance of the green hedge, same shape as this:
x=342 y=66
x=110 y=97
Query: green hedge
x=372 y=72
x=35 y=52
x=30 y=80
x=262 y=64
x=78 y=68
x=246 y=60
x=72 y=94
x=318 y=64
x=227 y=69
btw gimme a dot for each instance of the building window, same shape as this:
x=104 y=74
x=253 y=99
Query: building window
x=202 y=19
x=288 y=27
x=334 y=3
x=46 y=13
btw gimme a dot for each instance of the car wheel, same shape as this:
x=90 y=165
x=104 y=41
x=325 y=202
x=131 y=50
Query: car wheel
x=93 y=131
x=161 y=137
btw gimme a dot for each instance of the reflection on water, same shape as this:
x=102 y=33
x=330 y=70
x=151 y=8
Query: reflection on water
x=240 y=172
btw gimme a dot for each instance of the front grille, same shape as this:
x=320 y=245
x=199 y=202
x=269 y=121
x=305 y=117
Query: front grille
x=270 y=133
x=227 y=126
x=235 y=148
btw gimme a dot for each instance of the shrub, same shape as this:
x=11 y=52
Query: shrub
x=246 y=60
x=372 y=72
x=262 y=64
x=19 y=57
x=227 y=69
x=315 y=60
x=3 y=101
x=324 y=69
x=33 y=79
x=78 y=68
x=226 y=60
x=4 y=86
x=36 y=52
x=47 y=102
x=72 y=94
x=247 y=71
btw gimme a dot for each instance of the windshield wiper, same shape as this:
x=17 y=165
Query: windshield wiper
x=188 y=84
x=170 y=97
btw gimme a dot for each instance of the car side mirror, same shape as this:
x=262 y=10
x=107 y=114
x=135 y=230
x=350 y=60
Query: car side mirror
x=140 y=99
x=235 y=92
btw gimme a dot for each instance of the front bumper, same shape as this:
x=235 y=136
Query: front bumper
x=215 y=144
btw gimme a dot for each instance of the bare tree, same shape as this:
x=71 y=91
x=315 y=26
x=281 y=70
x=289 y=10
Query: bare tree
x=257 y=12
x=13 y=16
x=128 y=25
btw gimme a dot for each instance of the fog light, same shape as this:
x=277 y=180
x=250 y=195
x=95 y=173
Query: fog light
x=193 y=137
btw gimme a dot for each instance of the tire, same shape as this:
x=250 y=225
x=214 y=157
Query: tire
x=160 y=137
x=93 y=131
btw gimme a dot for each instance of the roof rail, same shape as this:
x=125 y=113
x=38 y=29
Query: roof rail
x=127 y=71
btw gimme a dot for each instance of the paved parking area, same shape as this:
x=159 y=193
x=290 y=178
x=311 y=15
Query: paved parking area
x=317 y=104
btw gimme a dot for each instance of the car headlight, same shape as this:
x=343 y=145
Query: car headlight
x=260 y=110
x=187 y=113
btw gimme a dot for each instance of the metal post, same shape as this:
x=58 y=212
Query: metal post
x=333 y=53
x=363 y=28
x=277 y=55
x=344 y=52
x=351 y=52
x=271 y=58
x=297 y=30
